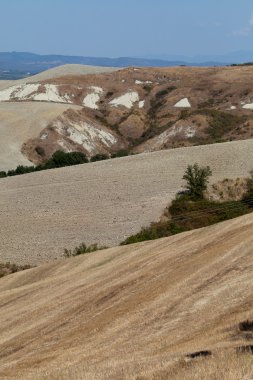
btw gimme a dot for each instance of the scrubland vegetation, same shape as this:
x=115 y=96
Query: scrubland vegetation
x=190 y=210
x=220 y=122
x=82 y=249
x=9 y=268
x=61 y=159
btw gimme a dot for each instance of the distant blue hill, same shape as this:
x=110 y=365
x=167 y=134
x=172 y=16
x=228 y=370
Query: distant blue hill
x=15 y=65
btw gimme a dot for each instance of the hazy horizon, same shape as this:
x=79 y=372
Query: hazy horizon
x=116 y=28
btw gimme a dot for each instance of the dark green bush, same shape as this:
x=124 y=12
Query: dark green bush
x=184 y=114
x=196 y=178
x=248 y=197
x=109 y=94
x=165 y=91
x=120 y=153
x=187 y=215
x=3 y=174
x=40 y=151
x=147 y=88
x=158 y=101
x=61 y=159
x=99 y=157
x=20 y=169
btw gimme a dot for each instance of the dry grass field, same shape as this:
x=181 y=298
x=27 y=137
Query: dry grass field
x=134 y=312
x=104 y=202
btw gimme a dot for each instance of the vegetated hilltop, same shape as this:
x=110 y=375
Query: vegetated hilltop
x=138 y=109
x=104 y=202
x=132 y=311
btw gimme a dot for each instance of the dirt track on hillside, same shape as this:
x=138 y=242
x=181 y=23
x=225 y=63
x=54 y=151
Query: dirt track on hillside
x=104 y=202
x=129 y=311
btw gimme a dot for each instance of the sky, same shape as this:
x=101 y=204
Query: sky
x=136 y=28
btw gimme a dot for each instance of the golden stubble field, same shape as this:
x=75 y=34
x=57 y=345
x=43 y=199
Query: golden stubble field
x=134 y=312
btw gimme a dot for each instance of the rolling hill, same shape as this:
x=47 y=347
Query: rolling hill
x=133 y=312
x=136 y=109
x=172 y=308
x=104 y=202
x=21 y=123
x=16 y=65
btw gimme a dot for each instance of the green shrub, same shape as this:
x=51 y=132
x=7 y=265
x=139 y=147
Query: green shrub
x=158 y=101
x=99 y=157
x=61 y=159
x=40 y=151
x=20 y=169
x=184 y=114
x=196 y=178
x=3 y=174
x=147 y=88
x=188 y=211
x=187 y=215
x=120 y=153
x=9 y=268
x=109 y=94
x=82 y=249
x=248 y=197
x=165 y=91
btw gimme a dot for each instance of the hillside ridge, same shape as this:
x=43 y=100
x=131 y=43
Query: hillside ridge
x=135 y=109
x=151 y=300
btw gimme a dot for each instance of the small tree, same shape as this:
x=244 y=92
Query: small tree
x=196 y=178
x=3 y=174
x=99 y=157
x=248 y=197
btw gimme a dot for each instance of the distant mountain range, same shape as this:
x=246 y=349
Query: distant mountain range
x=221 y=59
x=16 y=65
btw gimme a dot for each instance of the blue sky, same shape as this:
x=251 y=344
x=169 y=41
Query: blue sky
x=113 y=28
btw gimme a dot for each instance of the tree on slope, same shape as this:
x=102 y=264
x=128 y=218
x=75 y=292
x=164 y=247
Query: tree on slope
x=248 y=197
x=196 y=178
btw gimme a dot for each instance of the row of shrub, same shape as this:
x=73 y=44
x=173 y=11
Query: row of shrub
x=61 y=159
x=190 y=209
x=9 y=268
x=187 y=215
x=82 y=249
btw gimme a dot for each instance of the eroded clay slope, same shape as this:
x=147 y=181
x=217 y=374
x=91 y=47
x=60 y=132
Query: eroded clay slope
x=145 y=109
x=21 y=122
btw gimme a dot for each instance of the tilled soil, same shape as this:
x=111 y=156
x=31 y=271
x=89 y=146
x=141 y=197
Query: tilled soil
x=104 y=202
